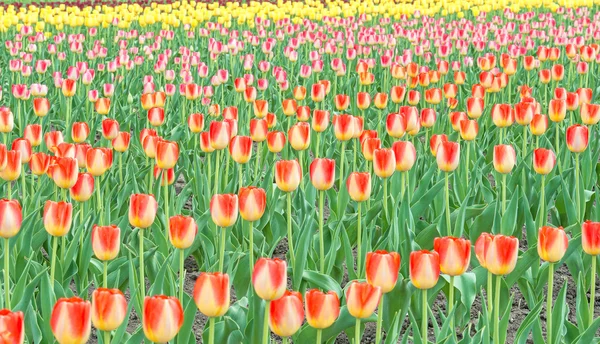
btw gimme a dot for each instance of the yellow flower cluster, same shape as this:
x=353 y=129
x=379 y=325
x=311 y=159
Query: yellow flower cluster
x=193 y=14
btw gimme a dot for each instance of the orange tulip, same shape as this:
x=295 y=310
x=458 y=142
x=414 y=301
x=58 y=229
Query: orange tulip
x=384 y=162
x=167 y=177
x=240 y=149
x=369 y=146
x=162 y=318
x=196 y=122
x=110 y=129
x=428 y=118
x=342 y=102
x=288 y=175
x=258 y=129
x=261 y=108
x=167 y=153
x=320 y=120
x=58 y=217
x=71 y=320
x=219 y=134
x=286 y=314
x=435 y=142
x=182 y=231
x=24 y=148
x=405 y=154
x=106 y=241
x=11 y=217
x=380 y=100
x=12 y=327
x=501 y=254
x=481 y=246
x=590 y=237
x=275 y=141
x=97 y=161
x=362 y=298
x=382 y=269
x=344 y=127
x=502 y=115
x=102 y=106
x=289 y=107
x=41 y=106
x=358 y=185
x=589 y=113
x=39 y=163
x=121 y=142
x=7 y=120
x=142 y=210
x=424 y=269
x=322 y=309
x=322 y=173
x=524 y=112
x=299 y=136
x=66 y=150
x=69 y=87
x=577 y=138
x=552 y=243
x=12 y=171
x=224 y=209
x=109 y=309
x=543 y=161
x=83 y=188
x=469 y=129
x=269 y=278
x=448 y=156
x=557 y=110
x=33 y=134
x=505 y=158
x=539 y=124
x=212 y=294
x=253 y=202
x=80 y=131
x=156 y=116
x=395 y=125
x=454 y=254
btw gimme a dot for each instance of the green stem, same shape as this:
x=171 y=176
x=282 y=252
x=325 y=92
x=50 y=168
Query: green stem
x=166 y=190
x=240 y=176
x=543 y=217
x=448 y=225
x=342 y=155
x=211 y=330
x=9 y=192
x=319 y=336
x=385 y=198
x=402 y=185
x=222 y=250
x=105 y=274
x=99 y=200
x=321 y=240
x=549 y=303
x=523 y=154
x=258 y=153
x=357 y=336
x=121 y=168
x=489 y=294
x=355 y=154
x=577 y=192
x=285 y=340
x=142 y=278
x=251 y=234
x=592 y=290
x=106 y=337
x=23 y=184
x=557 y=146
x=217 y=174
x=379 y=321
x=181 y=274
x=289 y=228
x=497 y=311
x=266 y=323
x=318 y=145
x=53 y=262
x=359 y=242
x=503 y=194
x=7 y=272
x=468 y=143
x=451 y=304
x=424 y=317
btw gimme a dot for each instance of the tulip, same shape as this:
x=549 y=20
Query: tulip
x=552 y=244
x=109 y=309
x=41 y=106
x=167 y=153
x=424 y=271
x=253 y=202
x=224 y=213
x=211 y=295
x=322 y=309
x=12 y=169
x=12 y=327
x=543 y=161
x=182 y=231
x=395 y=125
x=33 y=134
x=10 y=225
x=361 y=299
x=590 y=242
x=142 y=212
x=240 y=149
x=286 y=314
x=475 y=107
x=71 y=320
x=110 y=129
x=269 y=279
x=162 y=318
x=275 y=141
x=589 y=113
x=577 y=141
x=288 y=175
x=83 y=188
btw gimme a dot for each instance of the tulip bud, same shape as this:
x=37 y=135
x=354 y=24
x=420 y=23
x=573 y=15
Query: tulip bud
x=322 y=173
x=12 y=327
x=454 y=254
x=288 y=175
x=362 y=299
x=577 y=138
x=11 y=217
x=359 y=186
x=162 y=318
x=405 y=154
x=448 y=156
x=253 y=202
x=322 y=309
x=286 y=314
x=269 y=278
x=590 y=237
x=12 y=169
x=121 y=142
x=167 y=153
x=109 y=309
x=501 y=254
x=424 y=268
x=382 y=269
x=71 y=320
x=539 y=124
x=299 y=136
x=211 y=294
x=83 y=188
x=384 y=162
x=543 y=161
x=182 y=231
x=224 y=209
x=275 y=141
x=552 y=243
x=505 y=158
x=57 y=218
x=142 y=210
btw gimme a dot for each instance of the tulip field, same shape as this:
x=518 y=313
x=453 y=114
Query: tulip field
x=320 y=171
